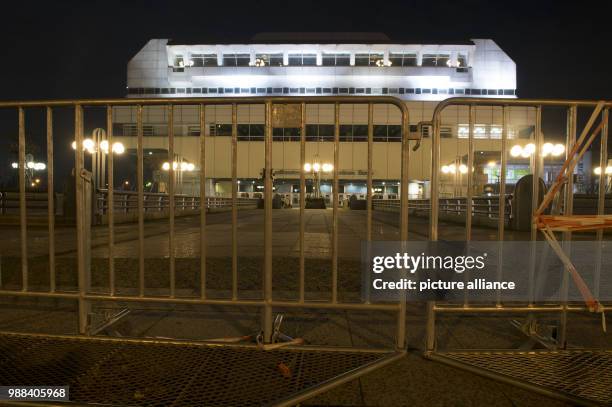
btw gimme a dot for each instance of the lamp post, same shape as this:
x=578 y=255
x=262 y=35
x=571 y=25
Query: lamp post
x=98 y=147
x=315 y=169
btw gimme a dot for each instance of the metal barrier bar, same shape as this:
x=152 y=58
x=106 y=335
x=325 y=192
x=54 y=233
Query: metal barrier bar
x=501 y=206
x=470 y=164
x=22 y=202
x=336 y=186
x=203 y=201
x=536 y=173
x=111 y=198
x=50 y=199
x=140 y=186
x=369 y=187
x=601 y=197
x=171 y=203
x=80 y=219
x=234 y=204
x=469 y=192
x=267 y=277
x=302 y=282
x=568 y=209
x=400 y=340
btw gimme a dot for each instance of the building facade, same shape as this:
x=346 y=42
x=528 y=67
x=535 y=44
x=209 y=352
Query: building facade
x=419 y=74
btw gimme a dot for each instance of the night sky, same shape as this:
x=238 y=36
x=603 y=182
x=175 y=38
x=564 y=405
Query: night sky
x=72 y=49
x=80 y=49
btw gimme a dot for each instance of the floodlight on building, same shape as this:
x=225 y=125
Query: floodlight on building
x=463 y=169
x=316 y=167
x=15 y=165
x=104 y=146
x=166 y=166
x=328 y=167
x=307 y=167
x=491 y=164
x=445 y=169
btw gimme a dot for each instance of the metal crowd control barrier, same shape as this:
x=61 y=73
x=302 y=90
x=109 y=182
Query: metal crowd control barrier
x=576 y=375
x=268 y=303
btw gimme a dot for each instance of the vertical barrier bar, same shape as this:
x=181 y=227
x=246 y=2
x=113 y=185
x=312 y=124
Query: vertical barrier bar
x=203 y=203
x=535 y=192
x=469 y=192
x=501 y=203
x=369 y=191
x=234 y=203
x=430 y=339
x=22 y=201
x=110 y=203
x=335 y=196
x=140 y=186
x=401 y=314
x=80 y=219
x=470 y=165
x=435 y=176
x=171 y=202
x=568 y=209
x=50 y=200
x=267 y=281
x=302 y=197
x=601 y=197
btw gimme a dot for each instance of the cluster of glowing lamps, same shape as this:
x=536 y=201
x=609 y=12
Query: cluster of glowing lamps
x=597 y=170
x=317 y=167
x=31 y=165
x=548 y=149
x=183 y=166
x=453 y=169
x=90 y=146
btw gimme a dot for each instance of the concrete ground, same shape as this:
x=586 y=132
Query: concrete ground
x=412 y=381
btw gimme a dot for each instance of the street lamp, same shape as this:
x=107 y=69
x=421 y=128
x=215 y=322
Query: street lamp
x=315 y=170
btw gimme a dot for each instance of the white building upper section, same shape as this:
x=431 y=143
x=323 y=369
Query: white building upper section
x=409 y=71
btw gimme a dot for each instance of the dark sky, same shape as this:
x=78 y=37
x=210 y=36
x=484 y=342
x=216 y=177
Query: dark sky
x=71 y=49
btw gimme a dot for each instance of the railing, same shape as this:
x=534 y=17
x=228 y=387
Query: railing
x=126 y=202
x=482 y=207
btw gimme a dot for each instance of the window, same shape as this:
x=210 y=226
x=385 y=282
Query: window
x=250 y=132
x=302 y=59
x=380 y=132
x=336 y=59
x=236 y=59
x=179 y=61
x=221 y=130
x=319 y=132
x=461 y=61
x=269 y=60
x=200 y=60
x=131 y=130
x=286 y=134
x=436 y=60
x=368 y=59
x=403 y=59
x=483 y=131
